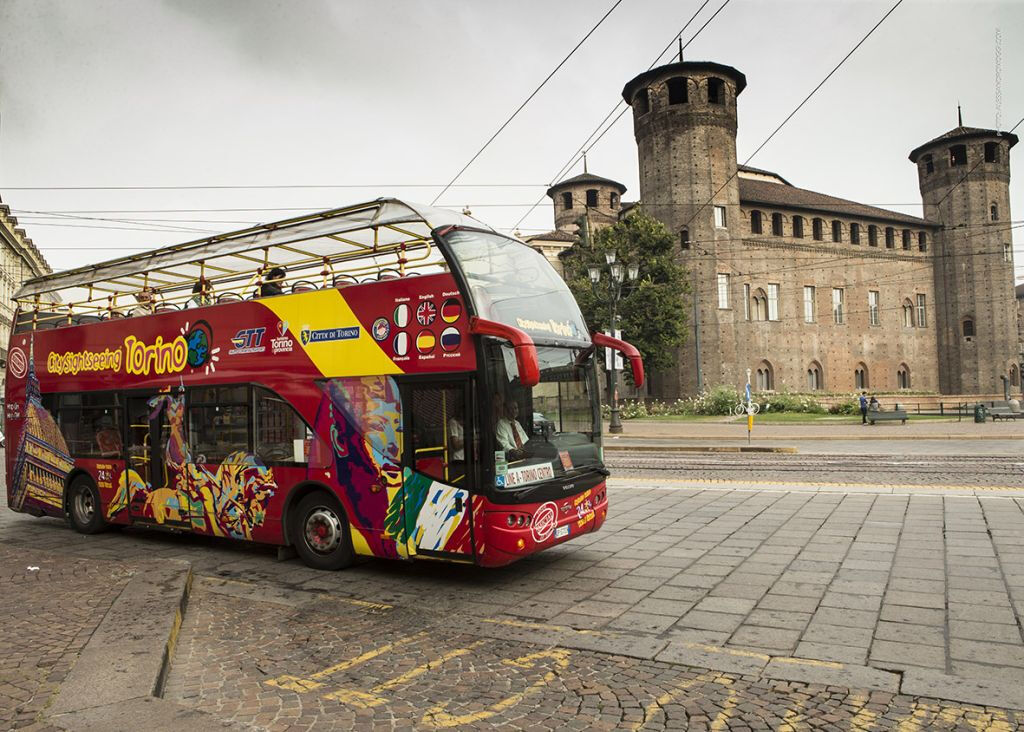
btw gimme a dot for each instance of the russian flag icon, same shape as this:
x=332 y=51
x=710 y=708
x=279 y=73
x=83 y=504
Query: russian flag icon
x=451 y=339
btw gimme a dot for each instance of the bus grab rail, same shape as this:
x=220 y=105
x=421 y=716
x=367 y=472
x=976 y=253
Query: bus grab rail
x=636 y=363
x=522 y=344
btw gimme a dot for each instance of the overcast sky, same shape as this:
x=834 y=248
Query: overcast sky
x=377 y=96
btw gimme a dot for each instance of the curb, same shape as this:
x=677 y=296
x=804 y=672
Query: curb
x=697 y=448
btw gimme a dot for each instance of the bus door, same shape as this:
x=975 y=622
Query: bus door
x=440 y=435
x=155 y=438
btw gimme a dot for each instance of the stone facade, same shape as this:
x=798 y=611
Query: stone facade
x=810 y=292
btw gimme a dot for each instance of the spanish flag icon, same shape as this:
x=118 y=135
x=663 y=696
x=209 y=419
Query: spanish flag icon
x=425 y=341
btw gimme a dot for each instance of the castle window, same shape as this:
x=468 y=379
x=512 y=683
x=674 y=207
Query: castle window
x=922 y=315
x=991 y=152
x=642 y=102
x=760 y=305
x=890 y=237
x=860 y=376
x=837 y=230
x=684 y=239
x=613 y=200
x=773 y=302
x=765 y=377
x=855 y=233
x=922 y=242
x=929 y=165
x=903 y=376
x=906 y=239
x=678 y=90
x=1014 y=375
x=776 y=224
x=873 y=307
x=719 y=217
x=723 y=291
x=808 y=303
x=958 y=155
x=716 y=91
x=798 y=227
x=567 y=199
x=592 y=198
x=993 y=211
x=968 y=328
x=814 y=380
x=746 y=302
x=837 y=305
x=1007 y=253
x=872 y=235
x=755 y=222
x=818 y=229
x=908 y=314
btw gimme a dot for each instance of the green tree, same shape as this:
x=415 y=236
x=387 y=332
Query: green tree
x=651 y=313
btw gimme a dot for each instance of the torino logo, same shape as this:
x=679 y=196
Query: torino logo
x=160 y=358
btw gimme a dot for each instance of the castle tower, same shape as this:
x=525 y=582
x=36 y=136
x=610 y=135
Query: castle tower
x=684 y=121
x=965 y=183
x=591 y=196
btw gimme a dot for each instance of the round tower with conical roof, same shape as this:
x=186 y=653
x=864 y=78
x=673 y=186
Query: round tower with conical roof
x=964 y=177
x=684 y=121
x=586 y=196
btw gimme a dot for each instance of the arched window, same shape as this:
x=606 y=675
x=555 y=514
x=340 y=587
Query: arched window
x=837 y=230
x=716 y=91
x=1014 y=375
x=903 y=376
x=991 y=152
x=642 y=102
x=860 y=376
x=855 y=233
x=906 y=240
x=922 y=242
x=760 y=304
x=678 y=90
x=814 y=380
x=567 y=199
x=890 y=237
x=968 y=327
x=613 y=200
x=592 y=198
x=684 y=239
x=872 y=235
x=908 y=314
x=958 y=155
x=929 y=165
x=798 y=227
x=755 y=222
x=993 y=211
x=765 y=377
x=818 y=229
x=776 y=224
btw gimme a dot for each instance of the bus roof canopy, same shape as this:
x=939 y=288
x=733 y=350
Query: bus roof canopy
x=374 y=240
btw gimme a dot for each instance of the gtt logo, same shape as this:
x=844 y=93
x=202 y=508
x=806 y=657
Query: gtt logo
x=248 y=338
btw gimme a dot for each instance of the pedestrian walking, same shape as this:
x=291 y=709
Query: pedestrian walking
x=863 y=407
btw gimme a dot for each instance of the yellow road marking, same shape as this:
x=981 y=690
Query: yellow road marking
x=728 y=651
x=807 y=662
x=537 y=626
x=651 y=709
x=721 y=721
x=302 y=685
x=437 y=716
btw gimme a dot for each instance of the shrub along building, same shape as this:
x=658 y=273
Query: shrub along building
x=809 y=291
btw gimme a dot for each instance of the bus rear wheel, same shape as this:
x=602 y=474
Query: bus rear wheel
x=83 y=506
x=320 y=532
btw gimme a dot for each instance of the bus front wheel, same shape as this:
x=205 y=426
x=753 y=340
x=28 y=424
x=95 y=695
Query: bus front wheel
x=83 y=506
x=319 y=530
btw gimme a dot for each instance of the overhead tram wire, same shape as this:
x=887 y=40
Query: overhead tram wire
x=281 y=186
x=590 y=141
x=526 y=101
x=797 y=109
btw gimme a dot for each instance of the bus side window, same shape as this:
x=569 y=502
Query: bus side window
x=91 y=424
x=281 y=435
x=437 y=430
x=218 y=423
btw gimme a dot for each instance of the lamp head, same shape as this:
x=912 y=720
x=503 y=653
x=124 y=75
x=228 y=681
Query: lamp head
x=595 y=273
x=609 y=257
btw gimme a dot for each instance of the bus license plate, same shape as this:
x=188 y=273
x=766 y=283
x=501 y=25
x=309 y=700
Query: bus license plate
x=561 y=531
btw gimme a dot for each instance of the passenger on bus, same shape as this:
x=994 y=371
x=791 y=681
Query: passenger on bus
x=108 y=439
x=200 y=296
x=509 y=433
x=146 y=298
x=456 y=432
x=272 y=285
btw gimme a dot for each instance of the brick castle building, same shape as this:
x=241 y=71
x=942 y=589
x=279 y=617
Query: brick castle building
x=809 y=291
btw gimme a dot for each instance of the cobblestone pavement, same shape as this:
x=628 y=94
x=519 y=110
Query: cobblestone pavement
x=324 y=664
x=864 y=469
x=50 y=605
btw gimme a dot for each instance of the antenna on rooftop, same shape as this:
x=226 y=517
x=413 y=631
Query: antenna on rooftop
x=680 y=48
x=959 y=116
x=584 y=162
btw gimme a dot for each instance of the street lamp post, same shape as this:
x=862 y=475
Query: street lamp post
x=617 y=275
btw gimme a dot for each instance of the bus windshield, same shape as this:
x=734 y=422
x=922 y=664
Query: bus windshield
x=549 y=430
x=513 y=284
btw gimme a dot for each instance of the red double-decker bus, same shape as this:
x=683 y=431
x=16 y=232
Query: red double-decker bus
x=385 y=380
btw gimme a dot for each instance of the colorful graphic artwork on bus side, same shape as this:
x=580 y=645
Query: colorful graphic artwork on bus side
x=364 y=418
x=42 y=462
x=227 y=501
x=430 y=516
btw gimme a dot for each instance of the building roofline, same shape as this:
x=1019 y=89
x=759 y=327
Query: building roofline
x=584 y=178
x=683 y=66
x=961 y=133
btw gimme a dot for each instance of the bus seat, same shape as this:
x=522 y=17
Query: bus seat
x=85 y=319
x=229 y=297
x=388 y=274
x=115 y=315
x=303 y=286
x=165 y=307
x=344 y=280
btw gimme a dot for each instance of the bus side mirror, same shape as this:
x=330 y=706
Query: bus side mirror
x=522 y=345
x=629 y=351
